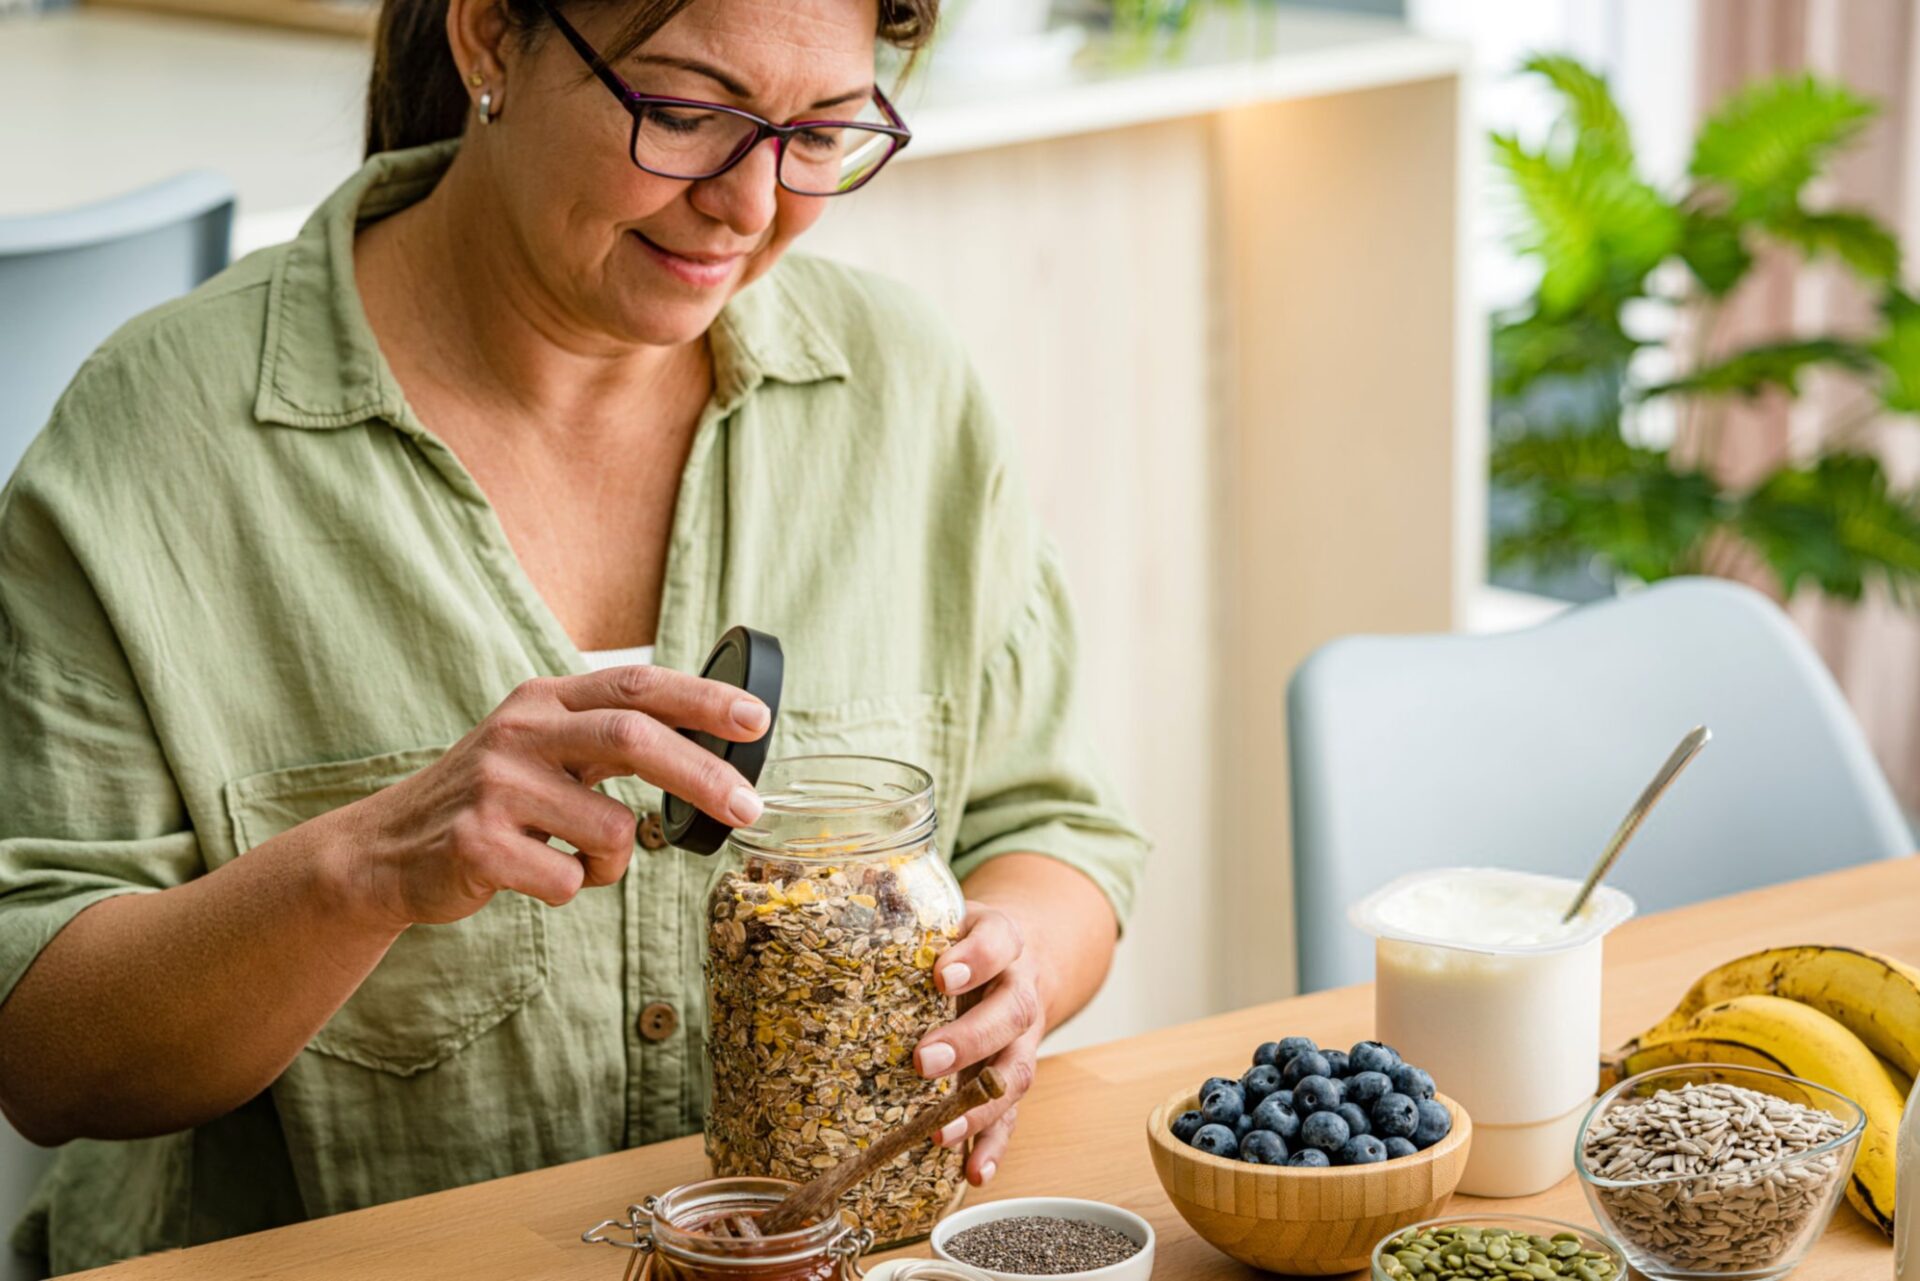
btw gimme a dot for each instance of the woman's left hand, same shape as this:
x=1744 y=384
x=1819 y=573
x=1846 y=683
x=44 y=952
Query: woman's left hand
x=1003 y=1029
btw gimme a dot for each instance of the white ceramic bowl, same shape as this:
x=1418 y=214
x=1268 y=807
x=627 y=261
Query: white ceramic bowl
x=1137 y=1268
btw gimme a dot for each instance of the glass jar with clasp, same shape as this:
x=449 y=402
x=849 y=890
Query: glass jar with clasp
x=673 y=1238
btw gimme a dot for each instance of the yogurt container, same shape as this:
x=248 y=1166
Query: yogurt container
x=1477 y=981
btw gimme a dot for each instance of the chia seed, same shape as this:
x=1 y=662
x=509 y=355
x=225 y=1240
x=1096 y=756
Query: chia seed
x=1038 y=1246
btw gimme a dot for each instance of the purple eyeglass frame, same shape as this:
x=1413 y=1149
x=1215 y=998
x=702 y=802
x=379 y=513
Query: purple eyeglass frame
x=636 y=105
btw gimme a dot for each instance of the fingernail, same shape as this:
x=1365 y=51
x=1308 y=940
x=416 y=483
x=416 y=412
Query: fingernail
x=953 y=1130
x=744 y=805
x=750 y=714
x=955 y=976
x=987 y=1171
x=936 y=1059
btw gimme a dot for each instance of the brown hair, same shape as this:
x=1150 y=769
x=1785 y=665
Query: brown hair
x=416 y=96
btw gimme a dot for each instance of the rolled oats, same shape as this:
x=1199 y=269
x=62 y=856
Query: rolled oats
x=820 y=983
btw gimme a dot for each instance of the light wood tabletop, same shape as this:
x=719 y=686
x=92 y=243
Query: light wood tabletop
x=1082 y=1129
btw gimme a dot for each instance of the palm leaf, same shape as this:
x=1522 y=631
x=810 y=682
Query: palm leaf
x=1767 y=140
x=1592 y=224
x=1771 y=365
x=1530 y=347
x=1855 y=237
x=1713 y=249
x=1898 y=350
x=1591 y=112
x=1838 y=524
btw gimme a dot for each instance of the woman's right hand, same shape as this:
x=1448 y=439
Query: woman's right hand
x=435 y=847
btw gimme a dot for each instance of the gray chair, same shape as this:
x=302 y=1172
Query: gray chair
x=69 y=279
x=1525 y=749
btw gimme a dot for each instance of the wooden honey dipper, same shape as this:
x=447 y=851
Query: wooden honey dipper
x=815 y=1199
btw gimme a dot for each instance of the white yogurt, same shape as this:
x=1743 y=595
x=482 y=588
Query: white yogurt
x=1477 y=981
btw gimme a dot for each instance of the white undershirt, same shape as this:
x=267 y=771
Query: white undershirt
x=633 y=656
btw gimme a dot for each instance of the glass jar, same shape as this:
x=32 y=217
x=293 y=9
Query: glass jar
x=824 y=922
x=673 y=1238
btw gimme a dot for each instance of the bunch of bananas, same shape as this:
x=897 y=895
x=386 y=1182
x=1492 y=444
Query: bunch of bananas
x=1837 y=1016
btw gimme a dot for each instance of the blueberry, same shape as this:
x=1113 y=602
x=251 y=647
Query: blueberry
x=1363 y=1150
x=1276 y=1116
x=1372 y=1056
x=1268 y=1055
x=1263 y=1147
x=1284 y=1096
x=1365 y=1087
x=1435 y=1123
x=1412 y=1081
x=1356 y=1118
x=1213 y=1083
x=1398 y=1147
x=1258 y=1083
x=1292 y=1045
x=1336 y=1063
x=1243 y=1127
x=1224 y=1105
x=1323 y=1130
x=1317 y=1094
x=1186 y=1125
x=1310 y=1156
x=1395 y=1114
x=1303 y=1065
x=1216 y=1140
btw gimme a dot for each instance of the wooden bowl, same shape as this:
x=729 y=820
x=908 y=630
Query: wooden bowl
x=1303 y=1221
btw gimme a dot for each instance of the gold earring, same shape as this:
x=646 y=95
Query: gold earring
x=476 y=79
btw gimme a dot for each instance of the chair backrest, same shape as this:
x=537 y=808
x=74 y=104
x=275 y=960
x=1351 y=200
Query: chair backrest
x=69 y=279
x=1524 y=750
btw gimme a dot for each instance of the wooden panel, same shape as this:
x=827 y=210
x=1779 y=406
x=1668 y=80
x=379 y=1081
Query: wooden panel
x=335 y=17
x=1341 y=469
x=1081 y=1127
x=1077 y=272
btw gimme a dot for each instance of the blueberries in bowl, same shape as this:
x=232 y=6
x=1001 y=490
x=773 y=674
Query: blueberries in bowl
x=1258 y=1083
x=1435 y=1123
x=1365 y=1088
x=1302 y=1106
x=1412 y=1081
x=1217 y=1140
x=1363 y=1149
x=1326 y=1131
x=1263 y=1147
x=1317 y=1094
x=1225 y=1105
x=1395 y=1114
x=1372 y=1056
x=1303 y=1065
x=1272 y=1115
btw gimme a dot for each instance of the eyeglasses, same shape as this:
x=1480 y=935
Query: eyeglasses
x=690 y=140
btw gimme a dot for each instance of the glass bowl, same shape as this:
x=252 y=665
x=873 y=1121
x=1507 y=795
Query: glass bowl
x=1747 y=1224
x=1591 y=1243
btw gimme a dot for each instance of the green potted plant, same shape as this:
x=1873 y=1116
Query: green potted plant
x=1578 y=481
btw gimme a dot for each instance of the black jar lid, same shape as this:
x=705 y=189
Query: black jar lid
x=753 y=661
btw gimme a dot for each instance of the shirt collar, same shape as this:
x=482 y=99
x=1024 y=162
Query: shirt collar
x=321 y=366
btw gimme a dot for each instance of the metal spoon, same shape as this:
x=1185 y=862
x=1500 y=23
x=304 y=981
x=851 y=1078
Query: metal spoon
x=1689 y=747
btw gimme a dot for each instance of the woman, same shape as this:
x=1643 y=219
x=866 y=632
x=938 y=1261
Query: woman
x=535 y=389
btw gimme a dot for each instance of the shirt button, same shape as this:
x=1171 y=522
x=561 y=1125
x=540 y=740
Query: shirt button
x=659 y=1021
x=653 y=835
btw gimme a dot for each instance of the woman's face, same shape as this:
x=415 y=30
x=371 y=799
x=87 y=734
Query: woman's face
x=643 y=259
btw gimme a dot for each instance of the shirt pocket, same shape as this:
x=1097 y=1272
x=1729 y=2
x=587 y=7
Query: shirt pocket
x=919 y=729
x=439 y=987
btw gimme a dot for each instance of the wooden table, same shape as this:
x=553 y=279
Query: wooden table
x=1081 y=1130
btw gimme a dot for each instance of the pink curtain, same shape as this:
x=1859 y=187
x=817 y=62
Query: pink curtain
x=1873 y=648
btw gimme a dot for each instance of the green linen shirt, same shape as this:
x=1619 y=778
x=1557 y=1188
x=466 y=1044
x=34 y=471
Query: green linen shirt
x=241 y=584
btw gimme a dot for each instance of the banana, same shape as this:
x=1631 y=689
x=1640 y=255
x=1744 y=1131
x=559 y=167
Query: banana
x=1877 y=997
x=1786 y=1036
